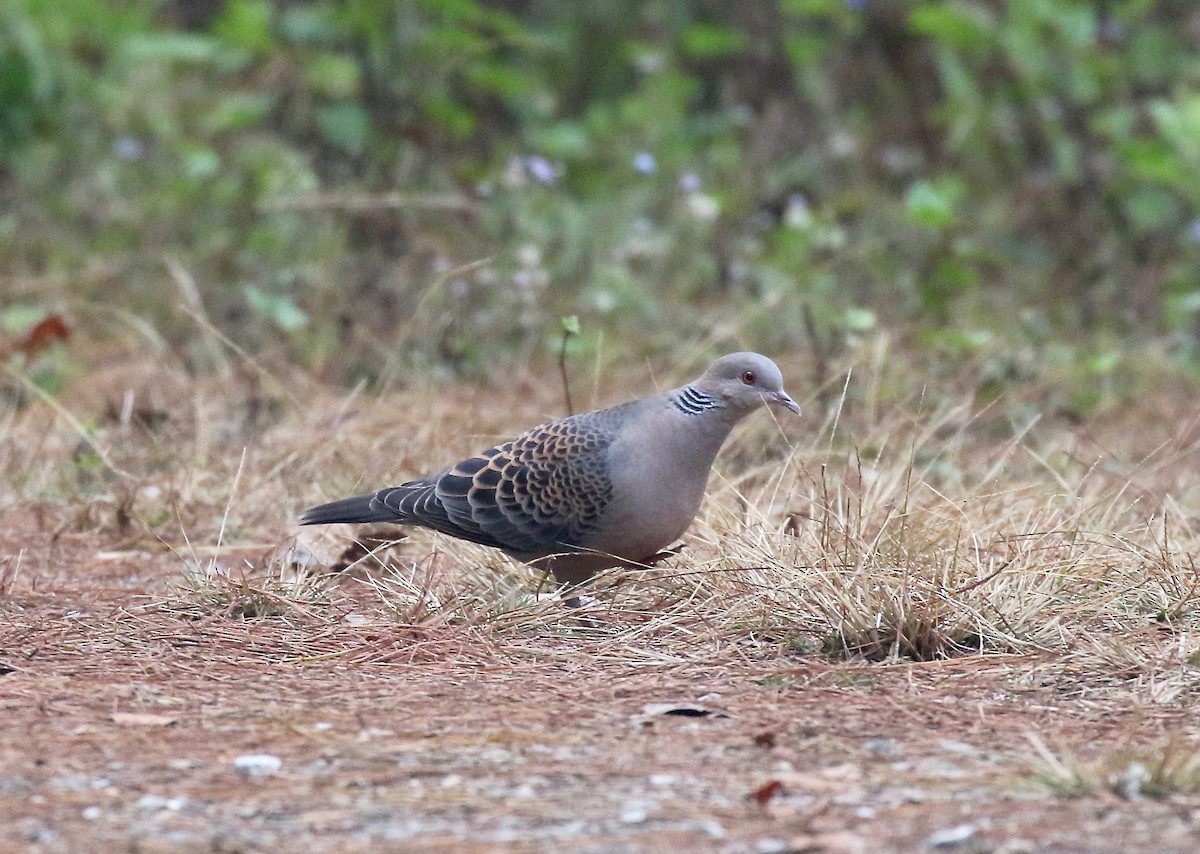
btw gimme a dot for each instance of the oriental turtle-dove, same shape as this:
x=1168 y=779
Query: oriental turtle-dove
x=599 y=489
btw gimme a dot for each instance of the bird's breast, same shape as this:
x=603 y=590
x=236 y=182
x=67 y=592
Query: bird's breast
x=657 y=487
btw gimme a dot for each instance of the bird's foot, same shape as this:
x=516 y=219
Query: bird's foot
x=657 y=557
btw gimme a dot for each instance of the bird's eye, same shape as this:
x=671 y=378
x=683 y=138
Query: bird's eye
x=749 y=377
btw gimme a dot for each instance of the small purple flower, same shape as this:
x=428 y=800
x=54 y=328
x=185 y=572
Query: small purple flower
x=1194 y=231
x=856 y=5
x=797 y=214
x=129 y=148
x=689 y=182
x=645 y=163
x=541 y=170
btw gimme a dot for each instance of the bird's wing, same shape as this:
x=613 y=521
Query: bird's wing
x=545 y=488
x=417 y=503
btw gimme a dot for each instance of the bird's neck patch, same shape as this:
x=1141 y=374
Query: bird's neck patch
x=691 y=401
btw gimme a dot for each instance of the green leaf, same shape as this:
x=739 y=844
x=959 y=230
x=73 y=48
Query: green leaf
x=1153 y=56
x=171 y=47
x=932 y=203
x=246 y=24
x=238 y=111
x=958 y=27
x=1077 y=24
x=345 y=125
x=563 y=140
x=311 y=24
x=200 y=162
x=1102 y=364
x=707 y=41
x=816 y=8
x=276 y=308
x=955 y=276
x=1151 y=208
x=570 y=324
x=1179 y=125
x=450 y=116
x=1150 y=160
x=859 y=319
x=333 y=75
x=21 y=316
x=501 y=80
x=963 y=340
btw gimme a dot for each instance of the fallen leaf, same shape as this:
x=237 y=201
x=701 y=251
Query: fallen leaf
x=682 y=710
x=765 y=739
x=45 y=332
x=843 y=780
x=365 y=543
x=763 y=794
x=138 y=719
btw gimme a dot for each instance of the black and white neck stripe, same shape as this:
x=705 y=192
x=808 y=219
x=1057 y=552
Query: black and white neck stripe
x=691 y=401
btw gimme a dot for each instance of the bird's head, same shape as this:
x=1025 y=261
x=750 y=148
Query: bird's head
x=745 y=381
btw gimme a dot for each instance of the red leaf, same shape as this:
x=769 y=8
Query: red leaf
x=49 y=329
x=763 y=794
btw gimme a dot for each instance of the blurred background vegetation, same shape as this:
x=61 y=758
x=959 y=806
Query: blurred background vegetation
x=360 y=186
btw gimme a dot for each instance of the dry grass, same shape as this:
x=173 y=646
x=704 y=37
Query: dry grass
x=888 y=533
x=1129 y=770
x=884 y=533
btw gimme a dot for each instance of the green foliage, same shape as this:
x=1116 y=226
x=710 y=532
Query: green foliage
x=339 y=174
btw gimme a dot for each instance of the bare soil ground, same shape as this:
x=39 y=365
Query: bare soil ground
x=127 y=698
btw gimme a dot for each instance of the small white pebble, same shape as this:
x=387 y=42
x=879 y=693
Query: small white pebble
x=634 y=812
x=257 y=764
x=711 y=828
x=91 y=813
x=1130 y=784
x=322 y=726
x=885 y=748
x=951 y=836
x=662 y=779
x=959 y=747
x=157 y=803
x=770 y=846
x=866 y=813
x=451 y=780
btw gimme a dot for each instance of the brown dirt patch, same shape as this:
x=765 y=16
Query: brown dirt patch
x=462 y=729
x=125 y=717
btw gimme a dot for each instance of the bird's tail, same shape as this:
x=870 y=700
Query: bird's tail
x=361 y=508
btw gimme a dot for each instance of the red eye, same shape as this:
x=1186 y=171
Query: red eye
x=749 y=378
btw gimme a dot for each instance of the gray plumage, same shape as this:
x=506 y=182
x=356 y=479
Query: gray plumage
x=594 y=490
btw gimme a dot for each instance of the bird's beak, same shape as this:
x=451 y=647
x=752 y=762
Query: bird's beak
x=780 y=398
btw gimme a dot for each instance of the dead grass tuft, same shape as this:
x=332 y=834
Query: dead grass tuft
x=287 y=584
x=1163 y=768
x=915 y=530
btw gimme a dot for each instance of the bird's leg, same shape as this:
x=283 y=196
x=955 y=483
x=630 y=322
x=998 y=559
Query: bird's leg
x=578 y=600
x=659 y=557
x=654 y=559
x=542 y=582
x=574 y=600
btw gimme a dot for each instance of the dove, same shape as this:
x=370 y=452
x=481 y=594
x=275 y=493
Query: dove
x=611 y=487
